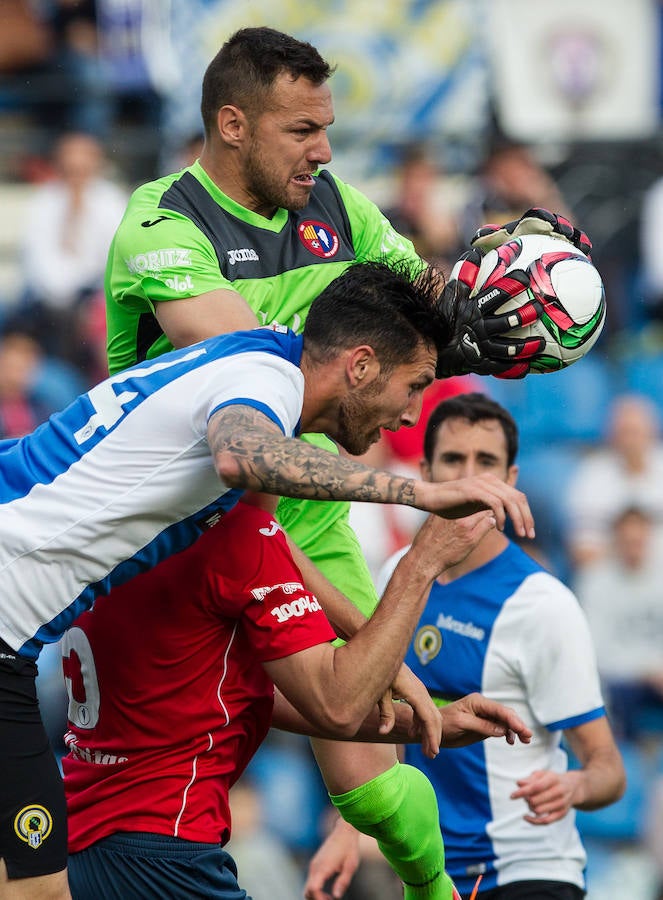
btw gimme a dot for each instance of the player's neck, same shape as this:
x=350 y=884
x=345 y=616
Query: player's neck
x=490 y=547
x=323 y=390
x=228 y=179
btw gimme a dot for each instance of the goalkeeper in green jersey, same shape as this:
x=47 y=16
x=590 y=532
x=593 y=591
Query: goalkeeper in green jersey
x=250 y=234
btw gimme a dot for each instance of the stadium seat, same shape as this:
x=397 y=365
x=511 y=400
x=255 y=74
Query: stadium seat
x=566 y=406
x=643 y=374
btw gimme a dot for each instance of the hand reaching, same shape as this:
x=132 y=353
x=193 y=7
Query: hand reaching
x=481 y=342
x=536 y=220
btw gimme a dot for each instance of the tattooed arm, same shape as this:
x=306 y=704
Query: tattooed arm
x=251 y=453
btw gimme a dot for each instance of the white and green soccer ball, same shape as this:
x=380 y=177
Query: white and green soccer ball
x=565 y=283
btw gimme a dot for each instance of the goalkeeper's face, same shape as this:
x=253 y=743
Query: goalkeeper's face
x=463 y=448
x=285 y=145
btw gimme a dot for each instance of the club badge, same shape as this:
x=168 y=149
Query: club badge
x=33 y=824
x=319 y=238
x=427 y=643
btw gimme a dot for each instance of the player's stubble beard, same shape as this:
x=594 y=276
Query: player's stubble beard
x=269 y=190
x=354 y=411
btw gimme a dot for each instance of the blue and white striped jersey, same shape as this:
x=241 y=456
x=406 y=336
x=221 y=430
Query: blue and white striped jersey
x=123 y=477
x=515 y=633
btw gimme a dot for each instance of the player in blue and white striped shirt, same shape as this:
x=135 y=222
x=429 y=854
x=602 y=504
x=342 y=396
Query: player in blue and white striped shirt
x=138 y=467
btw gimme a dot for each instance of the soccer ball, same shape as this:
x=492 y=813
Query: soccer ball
x=567 y=285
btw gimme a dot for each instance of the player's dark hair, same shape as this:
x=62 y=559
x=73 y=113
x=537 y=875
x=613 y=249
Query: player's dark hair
x=390 y=306
x=473 y=408
x=244 y=70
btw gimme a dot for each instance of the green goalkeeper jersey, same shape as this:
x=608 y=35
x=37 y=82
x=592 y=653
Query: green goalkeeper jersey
x=181 y=237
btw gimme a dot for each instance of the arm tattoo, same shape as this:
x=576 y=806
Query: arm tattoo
x=264 y=460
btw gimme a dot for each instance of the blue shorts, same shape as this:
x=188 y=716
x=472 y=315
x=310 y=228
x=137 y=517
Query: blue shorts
x=141 y=866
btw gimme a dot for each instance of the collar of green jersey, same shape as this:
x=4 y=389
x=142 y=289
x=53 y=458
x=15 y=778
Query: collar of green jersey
x=275 y=224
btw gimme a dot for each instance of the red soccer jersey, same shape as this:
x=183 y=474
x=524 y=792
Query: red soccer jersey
x=168 y=700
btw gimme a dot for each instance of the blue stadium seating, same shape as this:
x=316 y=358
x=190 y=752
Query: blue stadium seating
x=643 y=374
x=570 y=405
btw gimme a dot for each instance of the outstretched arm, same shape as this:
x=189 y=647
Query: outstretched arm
x=337 y=858
x=250 y=453
x=466 y=721
x=336 y=689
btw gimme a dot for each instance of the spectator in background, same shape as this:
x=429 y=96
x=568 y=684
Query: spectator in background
x=140 y=68
x=621 y=596
x=188 y=151
x=418 y=211
x=25 y=40
x=49 y=51
x=78 y=99
x=68 y=230
x=627 y=470
x=364 y=873
x=653 y=835
x=509 y=182
x=20 y=411
x=498 y=621
x=135 y=45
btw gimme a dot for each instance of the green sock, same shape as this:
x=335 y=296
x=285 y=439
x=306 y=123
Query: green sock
x=399 y=809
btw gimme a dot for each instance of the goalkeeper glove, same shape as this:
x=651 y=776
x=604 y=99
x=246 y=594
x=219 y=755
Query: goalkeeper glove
x=480 y=342
x=535 y=221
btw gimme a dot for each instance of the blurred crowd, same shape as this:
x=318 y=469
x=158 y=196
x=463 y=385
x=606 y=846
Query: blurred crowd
x=592 y=455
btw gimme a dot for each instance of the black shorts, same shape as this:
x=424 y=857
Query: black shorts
x=534 y=890
x=33 y=811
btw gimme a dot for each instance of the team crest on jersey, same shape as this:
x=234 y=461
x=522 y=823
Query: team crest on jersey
x=33 y=824
x=427 y=643
x=319 y=238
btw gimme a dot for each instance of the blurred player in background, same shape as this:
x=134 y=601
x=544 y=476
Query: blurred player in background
x=500 y=623
x=251 y=232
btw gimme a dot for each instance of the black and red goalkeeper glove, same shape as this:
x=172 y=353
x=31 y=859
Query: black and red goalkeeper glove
x=535 y=221
x=481 y=342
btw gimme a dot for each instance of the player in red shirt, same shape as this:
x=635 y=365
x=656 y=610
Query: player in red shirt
x=171 y=685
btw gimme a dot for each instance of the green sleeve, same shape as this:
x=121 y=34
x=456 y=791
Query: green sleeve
x=156 y=255
x=169 y=259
